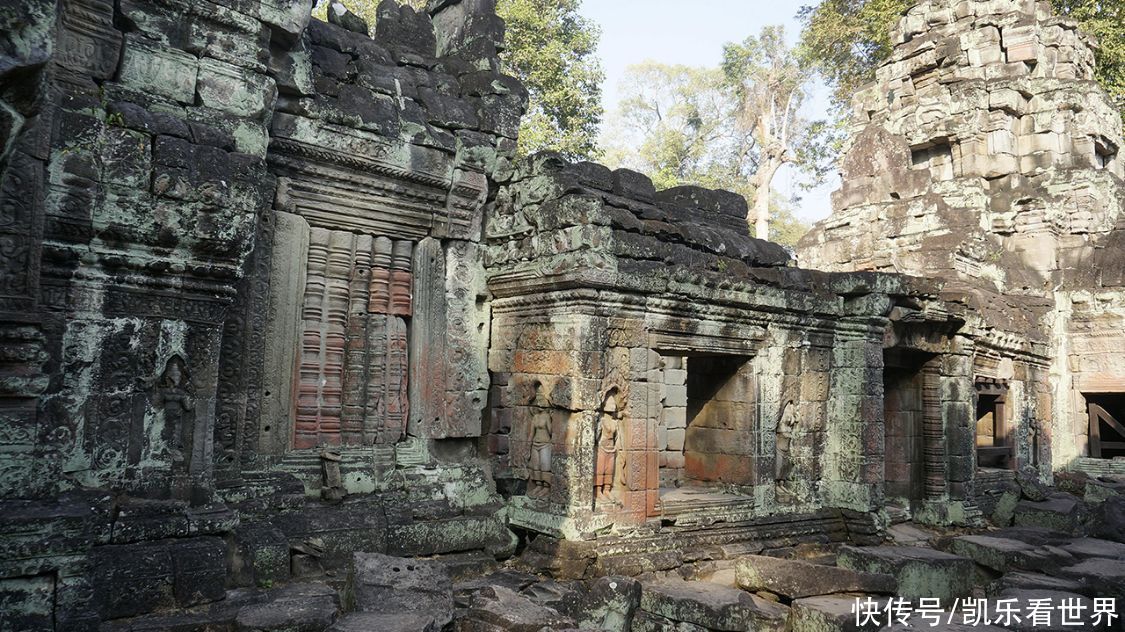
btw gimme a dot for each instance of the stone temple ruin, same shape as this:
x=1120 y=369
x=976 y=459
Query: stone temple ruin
x=293 y=340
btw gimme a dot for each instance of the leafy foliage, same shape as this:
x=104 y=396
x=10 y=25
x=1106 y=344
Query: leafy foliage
x=551 y=48
x=846 y=40
x=679 y=125
x=674 y=125
x=1105 y=20
x=770 y=83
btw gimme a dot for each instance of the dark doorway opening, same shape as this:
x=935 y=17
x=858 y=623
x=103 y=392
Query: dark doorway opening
x=994 y=445
x=1107 y=424
x=905 y=414
x=719 y=446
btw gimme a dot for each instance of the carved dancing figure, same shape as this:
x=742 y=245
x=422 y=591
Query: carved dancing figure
x=175 y=396
x=539 y=461
x=782 y=464
x=608 y=466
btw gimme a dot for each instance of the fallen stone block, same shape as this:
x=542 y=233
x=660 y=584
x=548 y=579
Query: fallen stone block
x=562 y=559
x=710 y=606
x=512 y=580
x=1031 y=487
x=1105 y=577
x=1027 y=600
x=396 y=585
x=610 y=605
x=560 y=596
x=261 y=555
x=469 y=564
x=1094 y=547
x=1100 y=490
x=794 y=579
x=1060 y=512
x=496 y=609
x=919 y=572
x=831 y=613
x=1036 y=581
x=1108 y=520
x=1004 y=511
x=646 y=622
x=1004 y=555
x=1033 y=535
x=379 y=622
x=295 y=608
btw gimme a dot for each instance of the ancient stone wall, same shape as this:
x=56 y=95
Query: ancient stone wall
x=985 y=155
x=652 y=360
x=242 y=304
x=276 y=291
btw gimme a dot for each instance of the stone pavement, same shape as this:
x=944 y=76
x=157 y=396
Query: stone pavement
x=1027 y=565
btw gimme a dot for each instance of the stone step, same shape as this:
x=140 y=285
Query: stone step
x=1004 y=555
x=919 y=572
x=711 y=606
x=793 y=579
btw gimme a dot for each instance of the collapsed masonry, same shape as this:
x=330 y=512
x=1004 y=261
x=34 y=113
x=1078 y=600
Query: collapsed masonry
x=277 y=294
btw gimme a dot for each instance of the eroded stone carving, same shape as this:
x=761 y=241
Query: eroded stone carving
x=610 y=459
x=175 y=397
x=539 y=459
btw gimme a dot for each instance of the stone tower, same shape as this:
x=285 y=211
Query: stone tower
x=983 y=150
x=986 y=156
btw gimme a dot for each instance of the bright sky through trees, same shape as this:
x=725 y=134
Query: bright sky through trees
x=693 y=34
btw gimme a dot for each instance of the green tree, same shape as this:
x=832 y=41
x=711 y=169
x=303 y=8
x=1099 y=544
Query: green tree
x=679 y=125
x=770 y=84
x=848 y=39
x=552 y=50
x=673 y=123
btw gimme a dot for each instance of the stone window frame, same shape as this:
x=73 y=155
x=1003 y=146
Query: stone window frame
x=1096 y=415
x=1003 y=444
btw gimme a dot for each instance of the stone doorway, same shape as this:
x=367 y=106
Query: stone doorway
x=907 y=396
x=994 y=445
x=1107 y=424
x=708 y=427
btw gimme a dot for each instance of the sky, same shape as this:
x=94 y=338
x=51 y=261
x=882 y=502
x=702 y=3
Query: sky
x=693 y=33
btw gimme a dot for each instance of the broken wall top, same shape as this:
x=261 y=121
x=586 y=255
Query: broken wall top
x=557 y=225
x=420 y=112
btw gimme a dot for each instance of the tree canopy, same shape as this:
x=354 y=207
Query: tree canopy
x=682 y=125
x=770 y=85
x=552 y=49
x=1105 y=20
x=673 y=124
